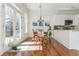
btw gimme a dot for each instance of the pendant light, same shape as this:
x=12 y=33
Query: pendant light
x=40 y=19
x=40 y=12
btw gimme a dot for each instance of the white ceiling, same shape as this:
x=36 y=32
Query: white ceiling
x=54 y=8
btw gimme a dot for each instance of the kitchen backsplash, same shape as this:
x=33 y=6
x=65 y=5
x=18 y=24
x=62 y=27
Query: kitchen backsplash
x=66 y=27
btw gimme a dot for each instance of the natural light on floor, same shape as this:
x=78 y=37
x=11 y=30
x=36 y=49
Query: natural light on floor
x=29 y=46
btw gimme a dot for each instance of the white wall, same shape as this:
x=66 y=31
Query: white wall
x=26 y=22
x=1 y=27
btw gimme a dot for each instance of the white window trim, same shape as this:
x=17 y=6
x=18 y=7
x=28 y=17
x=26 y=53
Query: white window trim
x=14 y=17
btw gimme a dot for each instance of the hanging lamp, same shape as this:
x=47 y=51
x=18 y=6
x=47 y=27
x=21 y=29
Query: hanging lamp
x=40 y=19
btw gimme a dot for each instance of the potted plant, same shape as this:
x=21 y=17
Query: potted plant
x=13 y=45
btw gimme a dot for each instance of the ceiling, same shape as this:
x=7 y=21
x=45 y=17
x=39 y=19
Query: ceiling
x=54 y=8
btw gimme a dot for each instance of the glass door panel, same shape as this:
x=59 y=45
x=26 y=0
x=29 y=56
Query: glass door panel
x=8 y=25
x=18 y=26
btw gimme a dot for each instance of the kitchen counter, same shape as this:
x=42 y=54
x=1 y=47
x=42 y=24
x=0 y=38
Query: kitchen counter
x=69 y=38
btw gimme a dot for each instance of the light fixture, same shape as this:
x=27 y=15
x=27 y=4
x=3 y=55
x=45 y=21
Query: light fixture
x=40 y=11
x=40 y=19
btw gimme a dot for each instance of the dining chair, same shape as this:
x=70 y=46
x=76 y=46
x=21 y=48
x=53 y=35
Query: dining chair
x=46 y=38
x=37 y=38
x=46 y=35
x=35 y=35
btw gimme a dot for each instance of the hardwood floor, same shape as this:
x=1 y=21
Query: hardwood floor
x=53 y=48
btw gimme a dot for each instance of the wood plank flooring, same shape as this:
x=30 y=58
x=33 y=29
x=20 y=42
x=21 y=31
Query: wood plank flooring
x=51 y=49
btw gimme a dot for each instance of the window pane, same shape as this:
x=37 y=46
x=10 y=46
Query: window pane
x=8 y=12
x=8 y=21
x=18 y=25
x=9 y=28
x=8 y=25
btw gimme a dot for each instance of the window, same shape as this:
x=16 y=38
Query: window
x=18 y=25
x=8 y=24
x=12 y=24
